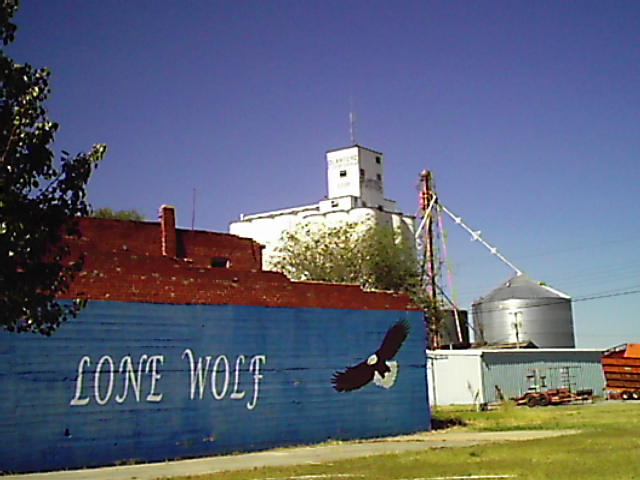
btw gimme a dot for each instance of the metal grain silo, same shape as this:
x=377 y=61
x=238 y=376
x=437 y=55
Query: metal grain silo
x=521 y=311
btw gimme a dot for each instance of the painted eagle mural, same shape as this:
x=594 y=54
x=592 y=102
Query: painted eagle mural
x=378 y=367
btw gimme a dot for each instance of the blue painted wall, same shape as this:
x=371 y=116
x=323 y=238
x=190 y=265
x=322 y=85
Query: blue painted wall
x=121 y=382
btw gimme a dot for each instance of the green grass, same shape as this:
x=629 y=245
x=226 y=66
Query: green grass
x=608 y=447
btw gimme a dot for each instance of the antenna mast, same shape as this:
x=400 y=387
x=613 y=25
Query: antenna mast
x=426 y=237
x=193 y=210
x=430 y=263
x=352 y=123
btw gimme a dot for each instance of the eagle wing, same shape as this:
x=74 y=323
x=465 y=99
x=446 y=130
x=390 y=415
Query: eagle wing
x=353 y=377
x=393 y=340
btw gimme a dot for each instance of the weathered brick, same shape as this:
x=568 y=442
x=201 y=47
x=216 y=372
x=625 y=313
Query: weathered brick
x=125 y=262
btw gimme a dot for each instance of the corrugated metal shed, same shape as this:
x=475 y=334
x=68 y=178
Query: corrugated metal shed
x=471 y=376
x=454 y=377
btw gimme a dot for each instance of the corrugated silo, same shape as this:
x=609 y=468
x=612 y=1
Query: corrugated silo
x=522 y=310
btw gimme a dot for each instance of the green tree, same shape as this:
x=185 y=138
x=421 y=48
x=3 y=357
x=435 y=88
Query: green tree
x=40 y=199
x=107 y=212
x=370 y=254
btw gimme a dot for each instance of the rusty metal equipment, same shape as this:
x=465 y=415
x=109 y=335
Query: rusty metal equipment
x=539 y=395
x=553 y=396
x=621 y=368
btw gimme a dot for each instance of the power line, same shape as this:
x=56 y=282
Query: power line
x=598 y=276
x=582 y=246
x=593 y=277
x=557 y=301
x=609 y=295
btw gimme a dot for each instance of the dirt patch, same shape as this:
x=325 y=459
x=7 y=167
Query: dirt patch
x=444 y=423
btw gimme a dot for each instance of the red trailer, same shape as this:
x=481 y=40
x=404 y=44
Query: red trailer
x=621 y=367
x=538 y=394
x=553 y=396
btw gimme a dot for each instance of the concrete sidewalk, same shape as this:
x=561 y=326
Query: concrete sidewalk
x=292 y=456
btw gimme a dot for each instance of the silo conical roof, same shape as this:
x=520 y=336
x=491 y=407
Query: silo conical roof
x=521 y=287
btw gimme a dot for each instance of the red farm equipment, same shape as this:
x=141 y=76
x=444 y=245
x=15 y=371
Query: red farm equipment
x=621 y=367
x=539 y=395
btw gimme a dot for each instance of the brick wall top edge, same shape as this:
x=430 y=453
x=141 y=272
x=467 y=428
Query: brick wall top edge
x=145 y=238
x=140 y=273
x=88 y=224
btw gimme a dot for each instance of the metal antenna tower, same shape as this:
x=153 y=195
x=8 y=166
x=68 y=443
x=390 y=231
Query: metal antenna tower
x=429 y=231
x=352 y=123
x=430 y=265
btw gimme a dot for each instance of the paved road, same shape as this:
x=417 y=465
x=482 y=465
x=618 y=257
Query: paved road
x=292 y=456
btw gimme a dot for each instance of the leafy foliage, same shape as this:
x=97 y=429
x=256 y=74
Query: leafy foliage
x=372 y=255
x=39 y=198
x=118 y=214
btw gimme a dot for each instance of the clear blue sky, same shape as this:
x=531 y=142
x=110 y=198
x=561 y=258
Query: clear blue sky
x=528 y=113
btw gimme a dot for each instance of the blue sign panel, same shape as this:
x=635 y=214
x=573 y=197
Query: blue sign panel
x=138 y=382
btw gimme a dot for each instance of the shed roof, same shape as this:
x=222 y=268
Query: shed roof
x=479 y=352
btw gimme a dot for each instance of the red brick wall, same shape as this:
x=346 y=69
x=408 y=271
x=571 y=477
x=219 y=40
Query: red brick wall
x=200 y=247
x=124 y=262
x=145 y=239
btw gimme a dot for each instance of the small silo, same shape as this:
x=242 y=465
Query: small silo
x=521 y=311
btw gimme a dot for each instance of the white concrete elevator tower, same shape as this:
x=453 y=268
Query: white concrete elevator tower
x=357 y=173
x=355 y=191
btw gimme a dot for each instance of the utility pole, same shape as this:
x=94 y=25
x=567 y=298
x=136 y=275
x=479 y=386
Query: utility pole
x=427 y=203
